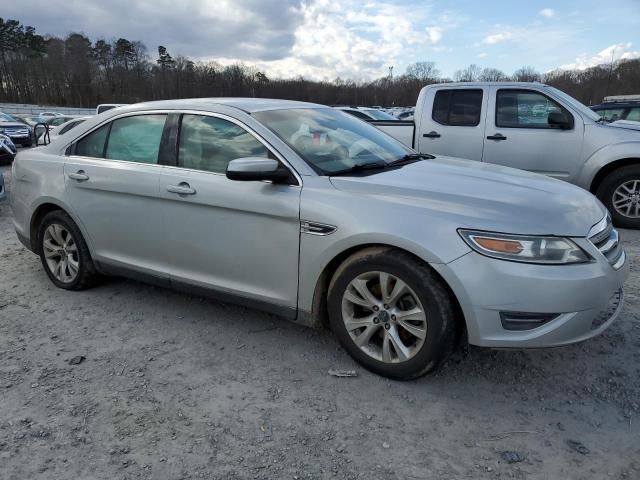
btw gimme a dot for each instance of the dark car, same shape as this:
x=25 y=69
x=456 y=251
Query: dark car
x=7 y=149
x=17 y=131
x=612 y=111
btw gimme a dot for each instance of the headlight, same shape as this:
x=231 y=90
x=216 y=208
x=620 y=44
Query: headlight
x=525 y=248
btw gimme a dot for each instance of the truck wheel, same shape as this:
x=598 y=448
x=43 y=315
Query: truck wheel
x=620 y=193
x=392 y=313
x=64 y=253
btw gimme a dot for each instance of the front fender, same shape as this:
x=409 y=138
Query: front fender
x=605 y=156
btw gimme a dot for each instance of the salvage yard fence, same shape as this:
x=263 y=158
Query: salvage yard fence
x=26 y=109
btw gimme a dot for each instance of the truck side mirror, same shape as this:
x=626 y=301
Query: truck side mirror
x=560 y=120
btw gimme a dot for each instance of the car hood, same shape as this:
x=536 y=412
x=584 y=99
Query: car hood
x=626 y=124
x=483 y=196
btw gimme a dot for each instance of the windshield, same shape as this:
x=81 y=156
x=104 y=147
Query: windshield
x=379 y=114
x=6 y=118
x=583 y=109
x=330 y=141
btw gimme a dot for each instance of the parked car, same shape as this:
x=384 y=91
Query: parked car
x=623 y=110
x=8 y=150
x=16 y=130
x=367 y=113
x=406 y=116
x=303 y=211
x=485 y=121
x=47 y=130
x=62 y=128
x=103 y=107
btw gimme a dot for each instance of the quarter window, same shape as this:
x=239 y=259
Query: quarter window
x=210 y=143
x=525 y=109
x=92 y=145
x=460 y=108
x=136 y=139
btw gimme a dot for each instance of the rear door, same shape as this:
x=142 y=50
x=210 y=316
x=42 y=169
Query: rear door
x=111 y=183
x=519 y=134
x=238 y=238
x=454 y=125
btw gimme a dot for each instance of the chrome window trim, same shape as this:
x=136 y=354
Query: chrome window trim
x=222 y=116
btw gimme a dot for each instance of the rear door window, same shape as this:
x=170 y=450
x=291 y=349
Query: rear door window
x=459 y=108
x=136 y=139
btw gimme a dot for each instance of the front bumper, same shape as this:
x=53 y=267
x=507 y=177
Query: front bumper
x=587 y=298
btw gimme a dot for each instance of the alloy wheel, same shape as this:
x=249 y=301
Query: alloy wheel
x=61 y=253
x=384 y=317
x=626 y=199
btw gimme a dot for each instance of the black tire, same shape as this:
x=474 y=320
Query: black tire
x=443 y=320
x=606 y=192
x=87 y=275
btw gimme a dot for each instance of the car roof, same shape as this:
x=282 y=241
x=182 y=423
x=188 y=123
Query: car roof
x=248 y=105
x=489 y=84
x=608 y=105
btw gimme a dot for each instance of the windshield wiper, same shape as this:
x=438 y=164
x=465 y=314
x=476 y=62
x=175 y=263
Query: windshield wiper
x=411 y=157
x=361 y=167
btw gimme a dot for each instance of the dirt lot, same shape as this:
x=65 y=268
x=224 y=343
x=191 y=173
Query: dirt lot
x=177 y=387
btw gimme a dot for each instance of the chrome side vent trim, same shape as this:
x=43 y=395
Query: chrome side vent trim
x=315 y=228
x=606 y=239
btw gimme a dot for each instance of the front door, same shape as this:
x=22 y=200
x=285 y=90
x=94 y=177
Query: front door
x=519 y=135
x=112 y=185
x=238 y=238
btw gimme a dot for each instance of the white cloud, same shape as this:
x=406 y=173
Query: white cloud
x=496 y=38
x=339 y=38
x=547 y=12
x=483 y=55
x=620 y=51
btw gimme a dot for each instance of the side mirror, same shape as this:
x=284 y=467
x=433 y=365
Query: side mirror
x=559 y=120
x=252 y=169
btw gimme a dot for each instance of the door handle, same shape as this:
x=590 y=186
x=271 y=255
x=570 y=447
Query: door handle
x=496 y=136
x=79 y=176
x=183 y=188
x=431 y=134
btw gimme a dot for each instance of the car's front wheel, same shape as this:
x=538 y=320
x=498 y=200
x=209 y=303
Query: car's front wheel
x=620 y=193
x=64 y=253
x=392 y=313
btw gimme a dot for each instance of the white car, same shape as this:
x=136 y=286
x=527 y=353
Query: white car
x=56 y=130
x=365 y=113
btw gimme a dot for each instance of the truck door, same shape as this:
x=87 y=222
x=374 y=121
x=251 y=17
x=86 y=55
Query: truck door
x=452 y=122
x=528 y=129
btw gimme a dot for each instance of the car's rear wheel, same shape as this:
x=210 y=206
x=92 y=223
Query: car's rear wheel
x=620 y=193
x=64 y=253
x=392 y=313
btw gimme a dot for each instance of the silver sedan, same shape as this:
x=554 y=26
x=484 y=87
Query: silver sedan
x=304 y=211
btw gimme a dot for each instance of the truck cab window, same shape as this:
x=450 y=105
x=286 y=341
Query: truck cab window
x=459 y=108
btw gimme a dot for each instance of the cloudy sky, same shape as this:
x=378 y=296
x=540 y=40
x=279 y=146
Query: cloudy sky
x=358 y=39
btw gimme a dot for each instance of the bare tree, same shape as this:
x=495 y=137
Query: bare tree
x=469 y=74
x=492 y=75
x=423 y=71
x=526 y=74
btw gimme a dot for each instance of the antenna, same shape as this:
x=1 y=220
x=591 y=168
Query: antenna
x=606 y=90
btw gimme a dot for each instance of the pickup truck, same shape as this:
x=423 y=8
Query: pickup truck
x=534 y=127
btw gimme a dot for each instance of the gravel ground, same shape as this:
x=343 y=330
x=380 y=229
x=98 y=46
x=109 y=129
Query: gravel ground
x=177 y=387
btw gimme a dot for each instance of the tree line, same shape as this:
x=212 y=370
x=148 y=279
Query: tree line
x=74 y=71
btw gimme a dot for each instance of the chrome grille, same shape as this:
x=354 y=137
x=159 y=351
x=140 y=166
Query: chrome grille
x=16 y=131
x=606 y=239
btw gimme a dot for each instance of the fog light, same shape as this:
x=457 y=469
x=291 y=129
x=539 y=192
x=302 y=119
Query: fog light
x=525 y=321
